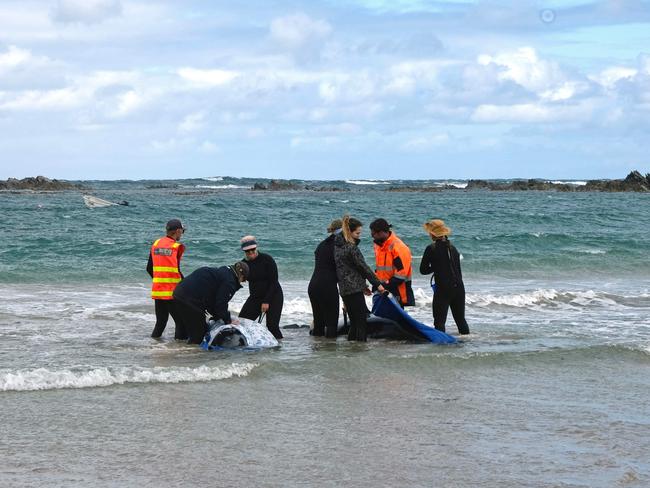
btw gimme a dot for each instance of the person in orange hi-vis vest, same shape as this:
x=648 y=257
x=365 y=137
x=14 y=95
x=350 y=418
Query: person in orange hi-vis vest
x=392 y=262
x=164 y=268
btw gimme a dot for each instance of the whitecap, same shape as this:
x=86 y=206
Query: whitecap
x=222 y=187
x=366 y=182
x=213 y=178
x=45 y=379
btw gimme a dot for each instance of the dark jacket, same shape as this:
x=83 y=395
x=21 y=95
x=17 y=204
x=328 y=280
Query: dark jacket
x=443 y=260
x=351 y=268
x=209 y=289
x=324 y=275
x=263 y=277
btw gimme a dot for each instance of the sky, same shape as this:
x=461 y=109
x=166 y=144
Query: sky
x=324 y=89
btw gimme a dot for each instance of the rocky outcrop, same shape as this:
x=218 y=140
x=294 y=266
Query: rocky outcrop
x=277 y=185
x=39 y=183
x=635 y=182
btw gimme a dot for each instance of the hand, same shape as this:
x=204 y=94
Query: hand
x=265 y=307
x=367 y=292
x=235 y=321
x=381 y=289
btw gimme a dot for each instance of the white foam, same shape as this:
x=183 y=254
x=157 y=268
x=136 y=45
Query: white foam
x=577 y=183
x=45 y=379
x=366 y=182
x=213 y=178
x=513 y=300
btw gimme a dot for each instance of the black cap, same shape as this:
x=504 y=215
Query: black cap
x=174 y=224
x=380 y=225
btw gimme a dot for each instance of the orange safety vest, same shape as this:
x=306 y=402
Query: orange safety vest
x=385 y=256
x=166 y=256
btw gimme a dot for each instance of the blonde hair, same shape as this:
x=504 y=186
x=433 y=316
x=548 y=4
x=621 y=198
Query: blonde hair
x=348 y=226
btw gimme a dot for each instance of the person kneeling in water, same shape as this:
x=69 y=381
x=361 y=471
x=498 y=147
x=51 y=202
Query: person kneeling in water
x=208 y=290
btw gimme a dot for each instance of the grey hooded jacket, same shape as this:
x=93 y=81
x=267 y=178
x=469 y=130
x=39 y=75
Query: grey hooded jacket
x=351 y=268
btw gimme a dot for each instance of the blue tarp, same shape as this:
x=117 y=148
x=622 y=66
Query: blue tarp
x=387 y=308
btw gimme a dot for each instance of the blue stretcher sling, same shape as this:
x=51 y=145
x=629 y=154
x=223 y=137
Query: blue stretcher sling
x=387 y=308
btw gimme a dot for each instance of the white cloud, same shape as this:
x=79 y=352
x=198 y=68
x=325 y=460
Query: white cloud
x=85 y=11
x=298 y=29
x=13 y=58
x=612 y=75
x=524 y=67
x=525 y=113
x=207 y=77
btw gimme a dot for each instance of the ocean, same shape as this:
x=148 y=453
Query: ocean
x=551 y=389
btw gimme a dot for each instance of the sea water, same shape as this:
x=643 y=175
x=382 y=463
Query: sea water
x=550 y=389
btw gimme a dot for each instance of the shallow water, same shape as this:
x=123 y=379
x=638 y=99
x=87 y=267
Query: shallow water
x=550 y=389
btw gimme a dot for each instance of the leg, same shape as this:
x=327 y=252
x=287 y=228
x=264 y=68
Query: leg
x=194 y=322
x=440 y=309
x=162 y=315
x=358 y=313
x=273 y=315
x=251 y=309
x=331 y=314
x=317 y=313
x=180 y=332
x=458 y=311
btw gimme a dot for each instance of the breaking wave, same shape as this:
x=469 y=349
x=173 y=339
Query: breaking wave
x=45 y=379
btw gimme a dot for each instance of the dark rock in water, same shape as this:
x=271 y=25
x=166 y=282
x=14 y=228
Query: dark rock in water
x=39 y=183
x=283 y=185
x=635 y=181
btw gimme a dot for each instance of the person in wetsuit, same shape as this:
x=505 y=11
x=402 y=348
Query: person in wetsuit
x=266 y=296
x=208 y=290
x=322 y=290
x=443 y=260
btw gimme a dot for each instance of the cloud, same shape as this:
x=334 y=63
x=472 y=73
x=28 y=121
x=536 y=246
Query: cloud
x=526 y=113
x=298 y=29
x=85 y=11
x=207 y=77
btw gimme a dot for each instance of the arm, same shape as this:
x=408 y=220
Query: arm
x=361 y=265
x=426 y=265
x=150 y=266
x=181 y=250
x=274 y=283
x=224 y=293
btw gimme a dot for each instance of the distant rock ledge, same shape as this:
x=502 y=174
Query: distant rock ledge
x=39 y=183
x=634 y=182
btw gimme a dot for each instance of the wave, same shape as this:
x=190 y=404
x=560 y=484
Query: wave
x=367 y=182
x=213 y=178
x=45 y=379
x=551 y=297
x=223 y=187
x=577 y=183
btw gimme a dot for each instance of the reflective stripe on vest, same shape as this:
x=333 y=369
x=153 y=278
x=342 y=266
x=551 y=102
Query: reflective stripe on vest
x=165 y=254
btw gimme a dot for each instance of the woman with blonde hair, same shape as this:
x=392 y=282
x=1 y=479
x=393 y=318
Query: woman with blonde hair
x=443 y=260
x=352 y=273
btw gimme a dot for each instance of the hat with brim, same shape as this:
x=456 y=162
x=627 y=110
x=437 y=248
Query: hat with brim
x=174 y=224
x=437 y=228
x=248 y=243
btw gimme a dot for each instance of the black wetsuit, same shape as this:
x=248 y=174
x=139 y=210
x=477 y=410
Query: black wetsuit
x=264 y=287
x=205 y=290
x=323 y=292
x=443 y=260
x=165 y=308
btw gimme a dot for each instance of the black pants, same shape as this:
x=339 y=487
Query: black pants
x=453 y=298
x=165 y=308
x=325 y=307
x=252 y=309
x=194 y=321
x=355 y=305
